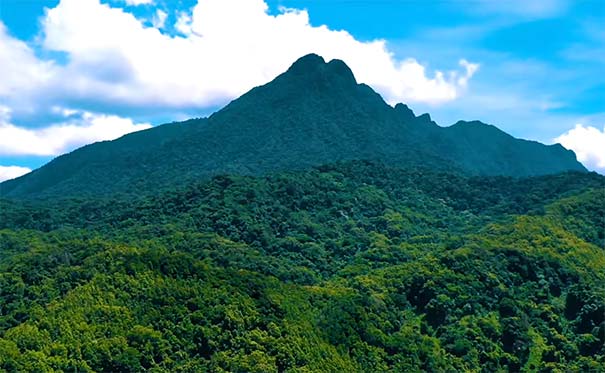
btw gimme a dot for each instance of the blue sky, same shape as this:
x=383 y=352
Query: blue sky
x=79 y=71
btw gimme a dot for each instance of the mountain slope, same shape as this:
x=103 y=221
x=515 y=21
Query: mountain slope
x=314 y=113
x=349 y=267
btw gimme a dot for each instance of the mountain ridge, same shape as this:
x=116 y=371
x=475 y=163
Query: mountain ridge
x=312 y=114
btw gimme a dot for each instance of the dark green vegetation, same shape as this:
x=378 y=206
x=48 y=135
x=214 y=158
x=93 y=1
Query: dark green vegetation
x=349 y=267
x=143 y=254
x=313 y=114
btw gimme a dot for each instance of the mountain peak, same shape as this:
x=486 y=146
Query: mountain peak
x=425 y=118
x=470 y=123
x=404 y=112
x=313 y=114
x=475 y=125
x=314 y=67
x=340 y=69
x=307 y=64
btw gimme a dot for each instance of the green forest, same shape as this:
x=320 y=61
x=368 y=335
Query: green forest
x=313 y=114
x=349 y=267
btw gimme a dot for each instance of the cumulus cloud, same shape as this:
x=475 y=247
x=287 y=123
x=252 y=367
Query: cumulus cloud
x=159 y=18
x=138 y=2
x=80 y=129
x=100 y=56
x=225 y=48
x=11 y=172
x=589 y=145
x=22 y=71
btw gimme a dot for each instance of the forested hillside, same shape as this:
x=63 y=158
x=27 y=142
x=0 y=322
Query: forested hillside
x=353 y=266
x=315 y=113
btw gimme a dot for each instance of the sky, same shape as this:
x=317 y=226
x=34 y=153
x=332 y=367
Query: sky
x=74 y=72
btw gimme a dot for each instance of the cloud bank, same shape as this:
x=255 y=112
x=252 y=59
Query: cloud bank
x=589 y=145
x=12 y=172
x=222 y=48
x=78 y=129
x=138 y=2
x=101 y=58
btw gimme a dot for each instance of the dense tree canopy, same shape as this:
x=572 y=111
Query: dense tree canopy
x=348 y=267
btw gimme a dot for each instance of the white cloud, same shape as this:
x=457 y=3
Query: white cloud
x=589 y=145
x=226 y=48
x=109 y=58
x=159 y=19
x=22 y=72
x=138 y=2
x=183 y=23
x=11 y=172
x=62 y=137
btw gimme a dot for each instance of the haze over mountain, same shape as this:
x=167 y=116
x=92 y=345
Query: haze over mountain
x=314 y=113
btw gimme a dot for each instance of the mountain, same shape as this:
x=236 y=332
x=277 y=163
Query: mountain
x=314 y=113
x=306 y=227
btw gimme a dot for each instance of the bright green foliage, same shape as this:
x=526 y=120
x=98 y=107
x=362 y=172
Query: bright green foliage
x=343 y=268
